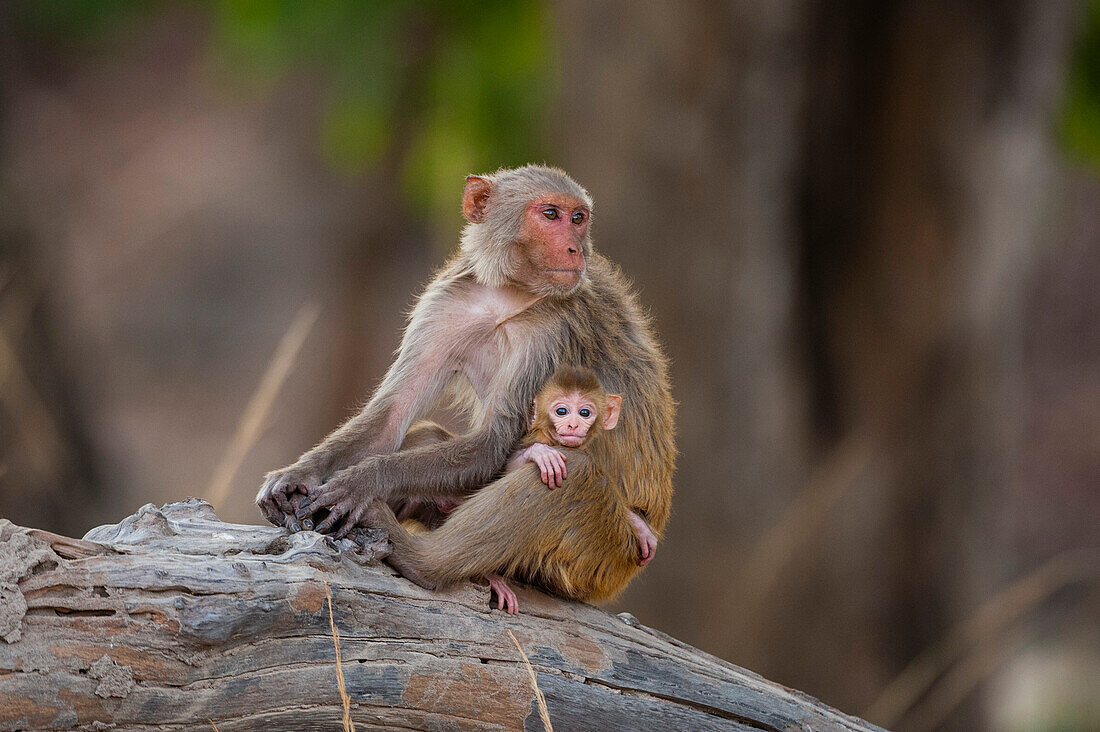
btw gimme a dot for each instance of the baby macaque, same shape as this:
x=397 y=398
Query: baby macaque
x=571 y=408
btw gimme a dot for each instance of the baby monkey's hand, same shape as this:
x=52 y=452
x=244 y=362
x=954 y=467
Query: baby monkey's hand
x=550 y=461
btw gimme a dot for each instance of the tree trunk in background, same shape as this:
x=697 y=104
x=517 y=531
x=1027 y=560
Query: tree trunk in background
x=898 y=207
x=918 y=260
x=46 y=455
x=685 y=122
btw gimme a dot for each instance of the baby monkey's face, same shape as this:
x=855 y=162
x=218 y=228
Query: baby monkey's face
x=572 y=415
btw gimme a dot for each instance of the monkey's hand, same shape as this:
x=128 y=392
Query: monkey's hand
x=279 y=496
x=506 y=599
x=550 y=461
x=345 y=495
x=647 y=542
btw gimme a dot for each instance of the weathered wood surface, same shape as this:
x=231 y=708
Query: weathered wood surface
x=173 y=618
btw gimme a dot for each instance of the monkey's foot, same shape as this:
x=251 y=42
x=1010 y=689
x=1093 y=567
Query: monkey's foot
x=506 y=599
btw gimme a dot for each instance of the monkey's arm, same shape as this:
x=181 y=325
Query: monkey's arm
x=444 y=469
x=411 y=385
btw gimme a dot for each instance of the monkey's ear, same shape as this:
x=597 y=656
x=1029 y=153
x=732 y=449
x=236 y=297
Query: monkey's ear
x=475 y=198
x=532 y=416
x=614 y=403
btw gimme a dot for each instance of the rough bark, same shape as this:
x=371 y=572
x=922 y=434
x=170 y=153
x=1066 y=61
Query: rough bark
x=172 y=619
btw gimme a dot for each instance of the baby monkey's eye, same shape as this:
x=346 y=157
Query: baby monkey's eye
x=550 y=213
x=586 y=413
x=561 y=411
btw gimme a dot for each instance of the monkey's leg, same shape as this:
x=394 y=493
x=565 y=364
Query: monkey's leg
x=407 y=548
x=425 y=432
x=423 y=509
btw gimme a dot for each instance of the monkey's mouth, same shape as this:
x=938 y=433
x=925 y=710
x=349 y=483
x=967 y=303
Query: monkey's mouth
x=570 y=440
x=564 y=277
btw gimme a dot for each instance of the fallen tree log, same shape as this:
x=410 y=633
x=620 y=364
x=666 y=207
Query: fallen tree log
x=174 y=620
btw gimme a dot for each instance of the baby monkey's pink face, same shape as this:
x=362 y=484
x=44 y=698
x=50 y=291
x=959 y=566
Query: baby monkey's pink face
x=572 y=415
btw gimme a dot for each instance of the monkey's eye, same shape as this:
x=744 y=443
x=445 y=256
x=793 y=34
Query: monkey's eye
x=578 y=218
x=585 y=412
x=550 y=213
x=561 y=411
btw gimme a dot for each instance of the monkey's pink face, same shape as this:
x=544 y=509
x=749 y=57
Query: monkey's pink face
x=572 y=416
x=554 y=229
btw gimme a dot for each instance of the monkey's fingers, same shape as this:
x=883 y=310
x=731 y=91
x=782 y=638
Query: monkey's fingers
x=506 y=598
x=292 y=522
x=323 y=495
x=559 y=468
x=270 y=512
x=350 y=521
x=305 y=509
x=283 y=502
x=647 y=548
x=336 y=513
x=544 y=470
x=273 y=497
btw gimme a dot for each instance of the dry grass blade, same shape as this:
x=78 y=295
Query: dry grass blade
x=957 y=685
x=211 y=721
x=349 y=726
x=544 y=713
x=259 y=406
x=980 y=629
x=44 y=444
x=801 y=518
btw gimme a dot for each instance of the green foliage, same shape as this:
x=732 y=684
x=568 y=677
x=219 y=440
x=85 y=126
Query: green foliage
x=1081 y=122
x=81 y=24
x=484 y=96
x=445 y=88
x=437 y=89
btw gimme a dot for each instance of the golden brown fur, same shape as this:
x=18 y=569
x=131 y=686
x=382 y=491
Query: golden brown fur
x=574 y=541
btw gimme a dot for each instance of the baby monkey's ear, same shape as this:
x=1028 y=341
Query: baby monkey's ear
x=611 y=413
x=532 y=415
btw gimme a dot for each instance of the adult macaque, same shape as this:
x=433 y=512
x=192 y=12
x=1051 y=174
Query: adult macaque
x=524 y=294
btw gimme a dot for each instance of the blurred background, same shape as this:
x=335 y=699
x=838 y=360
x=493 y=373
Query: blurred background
x=868 y=233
